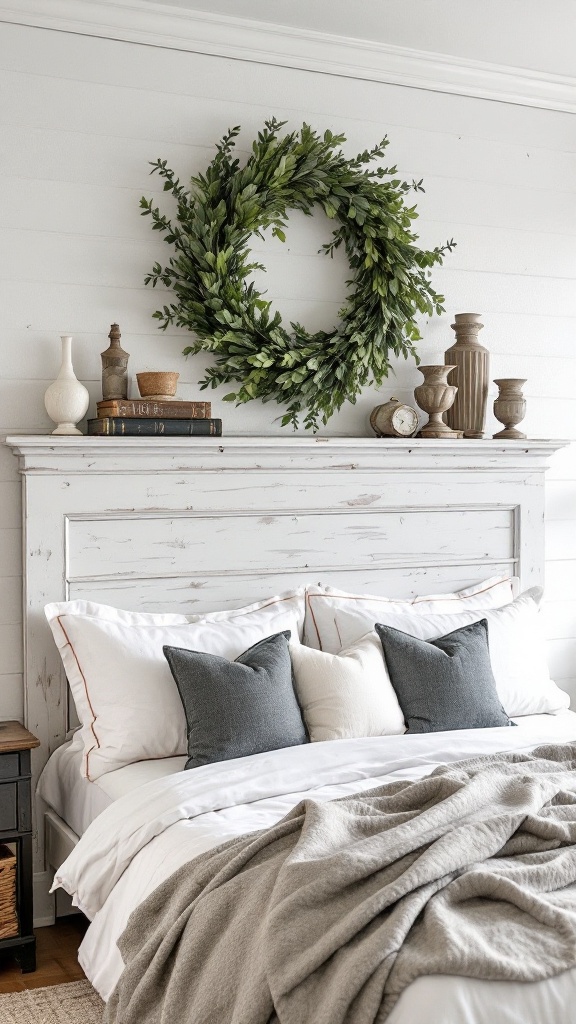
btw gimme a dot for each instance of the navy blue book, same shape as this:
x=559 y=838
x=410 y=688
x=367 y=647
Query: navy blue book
x=117 y=426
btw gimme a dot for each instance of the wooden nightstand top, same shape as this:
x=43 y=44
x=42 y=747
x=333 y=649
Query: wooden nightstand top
x=14 y=736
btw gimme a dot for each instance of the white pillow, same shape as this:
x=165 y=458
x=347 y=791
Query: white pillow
x=348 y=694
x=125 y=696
x=517 y=648
x=323 y=603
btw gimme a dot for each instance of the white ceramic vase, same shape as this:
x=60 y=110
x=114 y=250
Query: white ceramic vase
x=66 y=400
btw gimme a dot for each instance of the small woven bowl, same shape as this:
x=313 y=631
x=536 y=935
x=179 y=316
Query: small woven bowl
x=157 y=382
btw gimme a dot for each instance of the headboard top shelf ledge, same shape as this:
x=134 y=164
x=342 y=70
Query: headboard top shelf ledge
x=47 y=454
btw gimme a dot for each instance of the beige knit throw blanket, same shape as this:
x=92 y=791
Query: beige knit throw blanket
x=326 y=917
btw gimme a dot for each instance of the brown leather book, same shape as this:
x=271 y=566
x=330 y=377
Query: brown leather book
x=142 y=408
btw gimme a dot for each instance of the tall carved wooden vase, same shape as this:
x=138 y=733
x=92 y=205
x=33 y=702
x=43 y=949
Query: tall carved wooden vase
x=471 y=376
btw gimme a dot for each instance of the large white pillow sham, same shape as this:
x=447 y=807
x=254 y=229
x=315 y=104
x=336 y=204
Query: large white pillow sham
x=323 y=604
x=127 y=702
x=346 y=695
x=515 y=639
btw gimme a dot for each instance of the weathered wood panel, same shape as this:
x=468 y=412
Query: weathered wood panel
x=195 y=595
x=169 y=545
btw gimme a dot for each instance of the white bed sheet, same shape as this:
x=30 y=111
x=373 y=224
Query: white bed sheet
x=141 y=840
x=77 y=800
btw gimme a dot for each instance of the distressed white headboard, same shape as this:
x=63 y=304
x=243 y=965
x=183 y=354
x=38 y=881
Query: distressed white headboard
x=197 y=524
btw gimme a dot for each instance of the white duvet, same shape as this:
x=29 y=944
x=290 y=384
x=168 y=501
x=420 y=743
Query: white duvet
x=146 y=835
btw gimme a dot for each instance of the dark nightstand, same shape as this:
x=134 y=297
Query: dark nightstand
x=16 y=829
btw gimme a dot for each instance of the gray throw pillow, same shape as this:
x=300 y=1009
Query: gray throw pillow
x=236 y=708
x=445 y=683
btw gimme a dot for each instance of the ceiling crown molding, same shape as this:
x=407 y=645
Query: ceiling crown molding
x=153 y=24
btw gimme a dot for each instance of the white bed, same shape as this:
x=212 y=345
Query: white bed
x=149 y=832
x=174 y=527
x=77 y=800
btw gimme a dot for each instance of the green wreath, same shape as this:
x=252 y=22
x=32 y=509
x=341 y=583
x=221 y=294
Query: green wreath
x=215 y=220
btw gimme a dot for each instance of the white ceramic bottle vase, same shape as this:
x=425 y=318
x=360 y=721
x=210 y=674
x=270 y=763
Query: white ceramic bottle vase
x=66 y=400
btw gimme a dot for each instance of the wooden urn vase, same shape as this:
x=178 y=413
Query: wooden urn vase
x=435 y=396
x=472 y=362
x=510 y=407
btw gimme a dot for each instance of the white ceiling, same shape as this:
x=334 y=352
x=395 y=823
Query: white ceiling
x=535 y=34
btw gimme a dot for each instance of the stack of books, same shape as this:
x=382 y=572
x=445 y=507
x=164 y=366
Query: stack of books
x=141 y=417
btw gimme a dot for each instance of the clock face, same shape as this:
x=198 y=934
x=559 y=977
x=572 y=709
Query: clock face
x=405 y=420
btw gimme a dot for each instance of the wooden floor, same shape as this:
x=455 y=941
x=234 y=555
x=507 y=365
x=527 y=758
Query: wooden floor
x=56 y=957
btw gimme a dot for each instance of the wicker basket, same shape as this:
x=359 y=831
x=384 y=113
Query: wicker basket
x=8 y=910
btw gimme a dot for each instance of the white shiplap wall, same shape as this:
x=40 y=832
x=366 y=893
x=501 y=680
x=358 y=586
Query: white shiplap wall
x=80 y=117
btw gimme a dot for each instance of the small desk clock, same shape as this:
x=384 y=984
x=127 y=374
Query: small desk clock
x=393 y=419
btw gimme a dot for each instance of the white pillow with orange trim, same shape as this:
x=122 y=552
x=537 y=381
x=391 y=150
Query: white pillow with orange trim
x=324 y=603
x=127 y=702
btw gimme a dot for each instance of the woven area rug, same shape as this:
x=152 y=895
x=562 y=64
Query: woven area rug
x=75 y=1003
